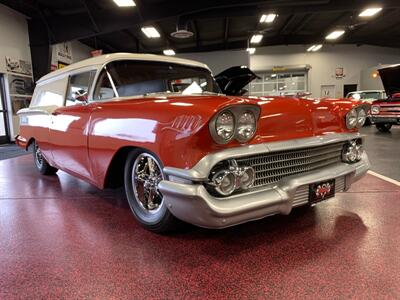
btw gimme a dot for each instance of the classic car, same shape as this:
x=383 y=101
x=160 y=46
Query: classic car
x=386 y=112
x=188 y=148
x=367 y=96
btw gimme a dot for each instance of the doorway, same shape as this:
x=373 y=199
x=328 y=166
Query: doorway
x=348 y=88
x=4 y=138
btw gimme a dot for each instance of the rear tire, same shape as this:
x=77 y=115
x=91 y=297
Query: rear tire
x=383 y=127
x=143 y=172
x=41 y=163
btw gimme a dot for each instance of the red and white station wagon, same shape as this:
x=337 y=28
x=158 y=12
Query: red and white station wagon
x=186 y=145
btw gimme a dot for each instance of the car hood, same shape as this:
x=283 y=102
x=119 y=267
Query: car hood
x=281 y=118
x=390 y=77
x=233 y=80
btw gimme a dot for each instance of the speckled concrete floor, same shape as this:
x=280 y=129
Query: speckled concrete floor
x=62 y=238
x=384 y=150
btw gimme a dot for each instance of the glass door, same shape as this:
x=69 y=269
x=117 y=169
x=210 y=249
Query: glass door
x=3 y=115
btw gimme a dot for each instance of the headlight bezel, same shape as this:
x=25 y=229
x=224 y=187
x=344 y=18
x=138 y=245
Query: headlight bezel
x=238 y=134
x=361 y=122
x=237 y=111
x=350 y=116
x=221 y=139
x=356 y=117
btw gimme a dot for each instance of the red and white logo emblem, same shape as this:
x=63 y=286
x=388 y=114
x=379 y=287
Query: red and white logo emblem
x=323 y=190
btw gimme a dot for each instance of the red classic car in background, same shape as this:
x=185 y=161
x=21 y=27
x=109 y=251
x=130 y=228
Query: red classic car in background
x=386 y=112
x=185 y=145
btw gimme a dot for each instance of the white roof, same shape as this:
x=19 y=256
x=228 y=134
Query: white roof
x=104 y=59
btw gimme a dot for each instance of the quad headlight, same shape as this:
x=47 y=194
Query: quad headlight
x=356 y=118
x=246 y=126
x=225 y=126
x=351 y=119
x=361 y=118
x=237 y=122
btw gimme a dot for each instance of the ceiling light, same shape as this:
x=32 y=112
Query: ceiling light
x=314 y=48
x=369 y=12
x=251 y=50
x=267 y=18
x=169 y=52
x=335 y=34
x=125 y=3
x=257 y=38
x=151 y=32
x=317 y=47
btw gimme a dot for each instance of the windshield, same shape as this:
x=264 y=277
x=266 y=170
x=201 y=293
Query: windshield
x=366 y=95
x=134 y=78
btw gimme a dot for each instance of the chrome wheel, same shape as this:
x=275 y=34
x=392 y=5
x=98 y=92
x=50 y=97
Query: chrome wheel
x=38 y=157
x=146 y=175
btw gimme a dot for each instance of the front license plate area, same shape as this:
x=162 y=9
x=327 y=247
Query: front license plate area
x=321 y=191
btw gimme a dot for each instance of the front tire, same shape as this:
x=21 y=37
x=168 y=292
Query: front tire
x=383 y=127
x=41 y=163
x=143 y=173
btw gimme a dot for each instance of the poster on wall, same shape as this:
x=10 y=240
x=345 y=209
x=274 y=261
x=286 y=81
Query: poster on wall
x=339 y=73
x=61 y=65
x=19 y=66
x=64 y=52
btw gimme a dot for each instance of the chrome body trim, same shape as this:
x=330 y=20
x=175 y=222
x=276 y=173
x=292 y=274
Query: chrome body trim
x=201 y=170
x=192 y=203
x=386 y=116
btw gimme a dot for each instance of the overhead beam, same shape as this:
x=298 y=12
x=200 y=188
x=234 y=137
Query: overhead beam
x=78 y=26
x=226 y=32
x=89 y=10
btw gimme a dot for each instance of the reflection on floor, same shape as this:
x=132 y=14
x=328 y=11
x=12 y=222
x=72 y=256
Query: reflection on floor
x=384 y=150
x=62 y=238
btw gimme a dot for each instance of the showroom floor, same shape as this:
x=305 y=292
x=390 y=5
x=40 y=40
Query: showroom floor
x=62 y=238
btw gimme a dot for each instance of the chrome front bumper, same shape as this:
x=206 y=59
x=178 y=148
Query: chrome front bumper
x=392 y=119
x=188 y=199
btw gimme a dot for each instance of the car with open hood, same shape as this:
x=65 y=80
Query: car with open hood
x=188 y=146
x=386 y=112
x=367 y=96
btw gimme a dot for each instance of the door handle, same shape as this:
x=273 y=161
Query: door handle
x=55 y=113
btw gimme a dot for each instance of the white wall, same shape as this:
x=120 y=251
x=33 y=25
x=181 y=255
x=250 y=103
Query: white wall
x=219 y=60
x=323 y=63
x=14 y=36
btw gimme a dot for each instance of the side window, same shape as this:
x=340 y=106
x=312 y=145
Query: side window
x=78 y=88
x=103 y=90
x=50 y=94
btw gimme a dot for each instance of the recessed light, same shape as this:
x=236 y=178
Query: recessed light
x=251 y=50
x=257 y=38
x=169 y=52
x=125 y=3
x=369 y=12
x=335 y=34
x=151 y=32
x=314 y=48
x=268 y=18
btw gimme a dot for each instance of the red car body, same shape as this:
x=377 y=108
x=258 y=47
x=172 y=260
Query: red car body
x=176 y=129
x=92 y=141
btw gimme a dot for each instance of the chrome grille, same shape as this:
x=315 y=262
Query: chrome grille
x=390 y=108
x=302 y=193
x=272 y=167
